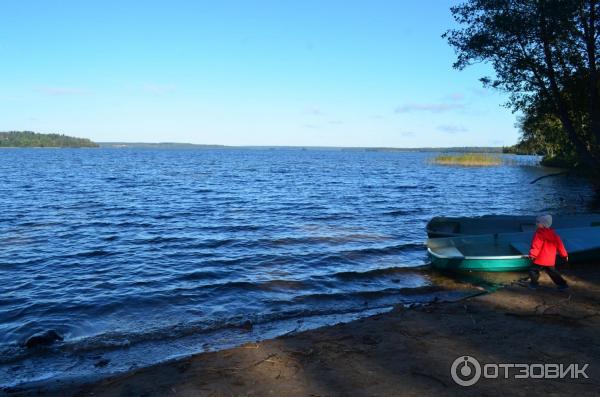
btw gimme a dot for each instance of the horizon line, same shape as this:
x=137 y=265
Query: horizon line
x=293 y=146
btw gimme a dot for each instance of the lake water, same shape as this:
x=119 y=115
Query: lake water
x=138 y=255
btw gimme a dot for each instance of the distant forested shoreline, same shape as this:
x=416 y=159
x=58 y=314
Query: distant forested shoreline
x=33 y=139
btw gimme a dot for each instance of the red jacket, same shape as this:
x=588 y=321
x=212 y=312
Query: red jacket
x=544 y=246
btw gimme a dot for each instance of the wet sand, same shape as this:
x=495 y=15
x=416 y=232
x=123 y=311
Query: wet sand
x=406 y=352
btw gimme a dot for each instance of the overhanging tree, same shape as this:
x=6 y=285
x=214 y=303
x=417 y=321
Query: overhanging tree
x=545 y=55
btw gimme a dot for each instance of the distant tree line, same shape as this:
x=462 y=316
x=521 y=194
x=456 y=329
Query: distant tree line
x=545 y=55
x=456 y=149
x=33 y=139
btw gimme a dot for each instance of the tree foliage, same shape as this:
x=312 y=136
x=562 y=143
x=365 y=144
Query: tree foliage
x=544 y=54
x=32 y=139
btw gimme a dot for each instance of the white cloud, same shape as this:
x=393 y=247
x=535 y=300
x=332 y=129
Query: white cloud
x=428 y=107
x=452 y=129
x=455 y=96
x=314 y=111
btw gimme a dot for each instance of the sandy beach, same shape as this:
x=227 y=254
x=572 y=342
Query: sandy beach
x=406 y=352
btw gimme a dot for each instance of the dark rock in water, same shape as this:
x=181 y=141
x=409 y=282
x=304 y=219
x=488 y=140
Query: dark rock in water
x=102 y=363
x=44 y=339
x=247 y=325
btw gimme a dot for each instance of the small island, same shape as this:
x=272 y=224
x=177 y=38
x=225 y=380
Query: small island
x=468 y=159
x=33 y=139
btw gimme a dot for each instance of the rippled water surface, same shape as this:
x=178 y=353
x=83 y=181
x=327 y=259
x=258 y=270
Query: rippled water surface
x=132 y=254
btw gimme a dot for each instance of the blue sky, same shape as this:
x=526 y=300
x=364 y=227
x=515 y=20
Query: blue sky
x=318 y=73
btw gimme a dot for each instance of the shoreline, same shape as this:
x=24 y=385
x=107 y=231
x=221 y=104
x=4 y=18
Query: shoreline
x=407 y=351
x=439 y=288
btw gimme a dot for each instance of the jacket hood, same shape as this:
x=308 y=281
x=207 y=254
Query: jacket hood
x=548 y=234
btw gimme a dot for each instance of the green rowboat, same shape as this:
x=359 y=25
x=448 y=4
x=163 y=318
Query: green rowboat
x=490 y=224
x=502 y=252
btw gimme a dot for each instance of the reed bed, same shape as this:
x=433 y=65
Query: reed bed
x=468 y=159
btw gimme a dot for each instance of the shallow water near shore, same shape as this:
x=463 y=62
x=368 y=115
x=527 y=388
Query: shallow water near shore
x=136 y=255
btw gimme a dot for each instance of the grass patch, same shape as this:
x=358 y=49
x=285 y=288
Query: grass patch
x=468 y=159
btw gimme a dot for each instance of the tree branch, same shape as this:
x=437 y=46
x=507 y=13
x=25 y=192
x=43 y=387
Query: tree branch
x=548 y=176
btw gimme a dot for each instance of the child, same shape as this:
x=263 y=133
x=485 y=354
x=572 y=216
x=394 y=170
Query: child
x=543 y=253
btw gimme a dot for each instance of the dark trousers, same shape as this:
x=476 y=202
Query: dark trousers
x=534 y=273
